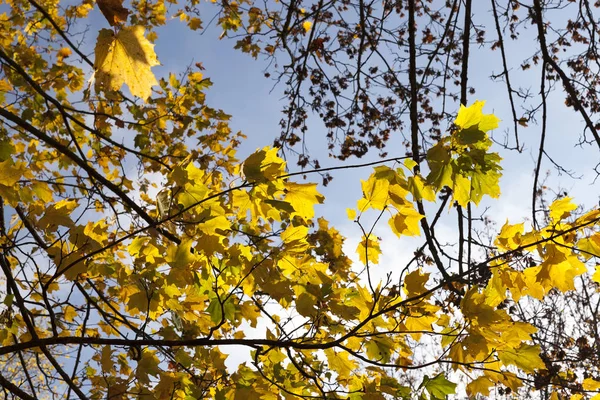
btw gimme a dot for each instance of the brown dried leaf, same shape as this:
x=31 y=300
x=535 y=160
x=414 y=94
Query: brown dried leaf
x=113 y=11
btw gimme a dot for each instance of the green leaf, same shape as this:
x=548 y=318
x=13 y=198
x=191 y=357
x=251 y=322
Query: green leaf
x=470 y=135
x=439 y=387
x=8 y=300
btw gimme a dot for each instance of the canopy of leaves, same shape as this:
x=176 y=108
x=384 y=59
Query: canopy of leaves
x=122 y=285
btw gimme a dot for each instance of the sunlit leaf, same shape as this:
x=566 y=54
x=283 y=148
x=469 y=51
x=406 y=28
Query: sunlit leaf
x=125 y=58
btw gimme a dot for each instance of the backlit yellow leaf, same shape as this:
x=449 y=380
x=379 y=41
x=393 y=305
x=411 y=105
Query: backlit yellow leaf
x=369 y=250
x=480 y=385
x=406 y=222
x=526 y=357
x=590 y=384
x=125 y=58
x=351 y=214
x=307 y=25
x=561 y=209
x=596 y=276
x=473 y=116
x=303 y=197
x=106 y=360
x=263 y=165
x=414 y=283
x=9 y=173
x=375 y=194
x=340 y=363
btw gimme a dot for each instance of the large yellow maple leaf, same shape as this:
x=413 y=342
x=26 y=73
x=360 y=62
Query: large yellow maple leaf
x=125 y=58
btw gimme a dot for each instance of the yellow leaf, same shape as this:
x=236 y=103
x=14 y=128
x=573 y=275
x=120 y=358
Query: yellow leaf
x=307 y=25
x=462 y=189
x=406 y=222
x=147 y=365
x=420 y=189
x=125 y=58
x=263 y=165
x=181 y=256
x=305 y=305
x=375 y=194
x=409 y=163
x=294 y=238
x=421 y=319
x=368 y=250
x=589 y=246
x=340 y=363
x=70 y=313
x=495 y=291
x=480 y=385
x=414 y=283
x=473 y=116
x=558 y=271
x=303 y=197
x=380 y=348
x=212 y=224
x=590 y=384
x=474 y=308
x=9 y=174
x=351 y=214
x=526 y=357
x=561 y=209
x=596 y=276
x=294 y=234
x=509 y=237
x=58 y=214
x=63 y=53
x=108 y=366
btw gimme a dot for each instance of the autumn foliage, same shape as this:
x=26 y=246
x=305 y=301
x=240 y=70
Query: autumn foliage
x=120 y=284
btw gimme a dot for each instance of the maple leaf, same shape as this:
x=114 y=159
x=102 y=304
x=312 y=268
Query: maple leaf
x=480 y=385
x=473 y=116
x=375 y=192
x=418 y=188
x=561 y=208
x=340 y=363
x=414 y=283
x=113 y=11
x=106 y=360
x=526 y=357
x=263 y=165
x=438 y=387
x=380 y=348
x=303 y=197
x=9 y=174
x=147 y=365
x=406 y=222
x=305 y=304
x=125 y=58
x=368 y=250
